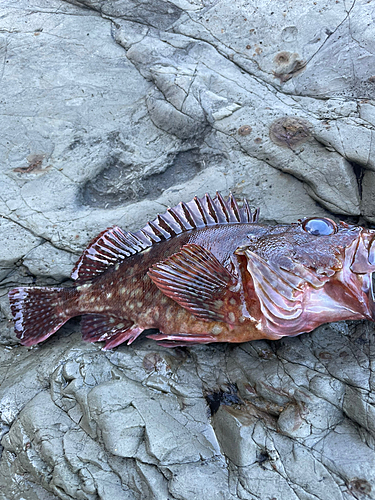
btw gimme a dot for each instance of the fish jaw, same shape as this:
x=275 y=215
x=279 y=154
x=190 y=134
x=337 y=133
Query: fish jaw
x=296 y=302
x=348 y=294
x=356 y=275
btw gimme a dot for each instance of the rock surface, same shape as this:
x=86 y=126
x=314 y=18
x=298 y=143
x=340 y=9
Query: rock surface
x=111 y=111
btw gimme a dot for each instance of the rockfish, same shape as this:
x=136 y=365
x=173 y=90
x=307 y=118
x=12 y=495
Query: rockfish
x=208 y=271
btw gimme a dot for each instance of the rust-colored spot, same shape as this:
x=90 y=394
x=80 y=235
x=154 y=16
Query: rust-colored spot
x=372 y=79
x=360 y=486
x=343 y=354
x=282 y=58
x=258 y=140
x=244 y=130
x=248 y=47
x=289 y=65
x=35 y=164
x=290 y=131
x=325 y=355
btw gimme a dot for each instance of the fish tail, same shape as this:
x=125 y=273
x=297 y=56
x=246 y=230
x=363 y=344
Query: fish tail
x=38 y=312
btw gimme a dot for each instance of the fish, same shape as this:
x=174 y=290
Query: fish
x=208 y=271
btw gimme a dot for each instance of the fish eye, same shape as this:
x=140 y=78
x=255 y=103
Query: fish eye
x=319 y=227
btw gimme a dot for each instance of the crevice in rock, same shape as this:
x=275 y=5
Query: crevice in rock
x=359 y=173
x=121 y=183
x=228 y=398
x=158 y=14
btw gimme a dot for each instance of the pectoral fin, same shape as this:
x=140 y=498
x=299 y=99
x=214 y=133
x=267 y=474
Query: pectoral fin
x=196 y=280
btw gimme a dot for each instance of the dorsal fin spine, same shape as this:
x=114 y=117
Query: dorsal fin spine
x=201 y=210
x=188 y=215
x=234 y=207
x=172 y=223
x=223 y=206
x=159 y=231
x=255 y=217
x=134 y=242
x=211 y=208
x=196 y=213
x=150 y=231
x=176 y=218
x=114 y=245
x=164 y=224
x=144 y=238
x=247 y=210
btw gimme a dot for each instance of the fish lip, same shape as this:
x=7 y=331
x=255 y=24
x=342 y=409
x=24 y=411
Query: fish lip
x=371 y=253
x=369 y=292
x=371 y=298
x=371 y=259
x=363 y=259
x=358 y=269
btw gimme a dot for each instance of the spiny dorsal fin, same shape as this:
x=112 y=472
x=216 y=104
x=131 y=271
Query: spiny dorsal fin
x=198 y=213
x=108 y=248
x=114 y=245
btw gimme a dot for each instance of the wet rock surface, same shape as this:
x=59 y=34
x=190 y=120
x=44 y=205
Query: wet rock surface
x=112 y=111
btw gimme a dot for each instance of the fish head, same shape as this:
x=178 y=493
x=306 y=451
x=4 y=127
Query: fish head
x=311 y=272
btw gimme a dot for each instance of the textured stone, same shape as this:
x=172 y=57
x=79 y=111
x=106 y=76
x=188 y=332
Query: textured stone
x=234 y=433
x=49 y=261
x=112 y=111
x=16 y=243
x=368 y=195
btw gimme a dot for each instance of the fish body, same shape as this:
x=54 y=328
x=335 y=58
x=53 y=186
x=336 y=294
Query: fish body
x=208 y=271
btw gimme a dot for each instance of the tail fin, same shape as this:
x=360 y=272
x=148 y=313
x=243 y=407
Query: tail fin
x=38 y=312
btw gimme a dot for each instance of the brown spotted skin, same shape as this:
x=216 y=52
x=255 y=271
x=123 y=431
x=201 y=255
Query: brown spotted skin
x=134 y=296
x=207 y=271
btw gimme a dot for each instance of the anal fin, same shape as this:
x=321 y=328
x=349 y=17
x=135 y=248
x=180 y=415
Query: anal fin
x=121 y=336
x=196 y=280
x=109 y=329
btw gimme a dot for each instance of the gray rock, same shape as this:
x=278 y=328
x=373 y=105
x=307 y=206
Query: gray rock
x=112 y=111
x=16 y=243
x=49 y=261
x=368 y=195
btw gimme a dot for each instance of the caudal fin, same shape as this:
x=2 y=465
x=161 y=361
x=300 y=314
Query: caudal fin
x=37 y=312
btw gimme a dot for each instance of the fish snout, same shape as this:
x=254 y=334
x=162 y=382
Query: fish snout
x=371 y=259
x=363 y=260
x=358 y=269
x=371 y=253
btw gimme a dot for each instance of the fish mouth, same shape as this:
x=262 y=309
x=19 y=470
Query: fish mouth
x=371 y=260
x=363 y=259
x=371 y=255
x=360 y=260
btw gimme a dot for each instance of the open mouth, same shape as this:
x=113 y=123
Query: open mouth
x=371 y=260
x=363 y=267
